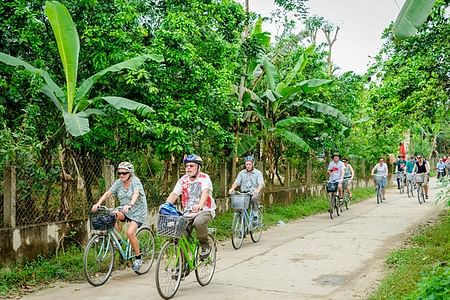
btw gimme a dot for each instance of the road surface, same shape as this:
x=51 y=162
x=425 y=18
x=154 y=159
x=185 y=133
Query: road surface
x=312 y=258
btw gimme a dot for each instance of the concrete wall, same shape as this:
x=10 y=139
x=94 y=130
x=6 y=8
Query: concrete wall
x=27 y=242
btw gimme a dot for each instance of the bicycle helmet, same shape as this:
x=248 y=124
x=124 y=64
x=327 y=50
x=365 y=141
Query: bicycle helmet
x=249 y=158
x=336 y=154
x=193 y=158
x=126 y=166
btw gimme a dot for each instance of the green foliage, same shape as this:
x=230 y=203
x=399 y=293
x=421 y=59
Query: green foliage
x=420 y=270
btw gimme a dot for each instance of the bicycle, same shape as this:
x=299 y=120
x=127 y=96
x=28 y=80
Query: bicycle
x=180 y=255
x=243 y=220
x=401 y=181
x=99 y=254
x=347 y=198
x=420 y=179
x=410 y=184
x=333 y=199
x=379 y=187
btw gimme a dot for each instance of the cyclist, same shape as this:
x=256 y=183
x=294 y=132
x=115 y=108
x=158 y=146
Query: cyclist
x=400 y=165
x=336 y=172
x=133 y=205
x=422 y=167
x=410 y=168
x=441 y=166
x=250 y=180
x=195 y=189
x=381 y=169
x=349 y=174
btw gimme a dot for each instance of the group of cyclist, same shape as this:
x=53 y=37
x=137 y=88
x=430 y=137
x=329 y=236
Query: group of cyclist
x=342 y=173
x=194 y=187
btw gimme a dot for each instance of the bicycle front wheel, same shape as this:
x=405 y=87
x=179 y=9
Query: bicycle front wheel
x=147 y=249
x=346 y=200
x=257 y=229
x=420 y=196
x=168 y=270
x=98 y=259
x=379 y=195
x=205 y=267
x=337 y=205
x=237 y=230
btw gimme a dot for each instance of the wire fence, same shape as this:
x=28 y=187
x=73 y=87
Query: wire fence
x=49 y=191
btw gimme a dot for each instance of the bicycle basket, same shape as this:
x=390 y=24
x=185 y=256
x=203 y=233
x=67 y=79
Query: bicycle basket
x=102 y=221
x=420 y=178
x=171 y=225
x=240 y=201
x=332 y=187
x=378 y=178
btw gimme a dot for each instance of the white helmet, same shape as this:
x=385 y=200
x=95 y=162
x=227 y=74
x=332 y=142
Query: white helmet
x=126 y=166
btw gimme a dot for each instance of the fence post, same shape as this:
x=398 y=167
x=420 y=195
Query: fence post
x=309 y=172
x=224 y=178
x=9 y=208
x=108 y=174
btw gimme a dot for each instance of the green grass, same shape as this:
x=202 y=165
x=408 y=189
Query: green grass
x=420 y=270
x=69 y=265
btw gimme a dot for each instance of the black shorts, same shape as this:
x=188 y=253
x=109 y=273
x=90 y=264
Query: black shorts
x=129 y=220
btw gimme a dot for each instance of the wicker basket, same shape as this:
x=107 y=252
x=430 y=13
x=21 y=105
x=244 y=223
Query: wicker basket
x=102 y=220
x=332 y=187
x=240 y=201
x=171 y=226
x=419 y=178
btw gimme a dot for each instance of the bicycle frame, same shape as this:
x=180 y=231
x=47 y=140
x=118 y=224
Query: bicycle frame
x=188 y=250
x=124 y=253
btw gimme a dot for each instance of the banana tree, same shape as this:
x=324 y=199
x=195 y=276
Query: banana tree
x=271 y=108
x=412 y=15
x=74 y=103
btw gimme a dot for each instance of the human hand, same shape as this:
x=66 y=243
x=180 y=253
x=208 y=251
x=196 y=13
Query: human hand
x=95 y=207
x=230 y=191
x=196 y=208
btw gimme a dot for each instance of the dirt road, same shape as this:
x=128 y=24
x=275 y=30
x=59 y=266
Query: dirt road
x=313 y=258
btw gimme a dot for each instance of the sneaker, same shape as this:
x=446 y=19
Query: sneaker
x=204 y=252
x=426 y=197
x=137 y=265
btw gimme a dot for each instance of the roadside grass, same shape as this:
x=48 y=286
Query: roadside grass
x=421 y=270
x=20 y=279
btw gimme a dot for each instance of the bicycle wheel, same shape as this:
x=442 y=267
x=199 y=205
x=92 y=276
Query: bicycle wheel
x=408 y=189
x=257 y=229
x=420 y=196
x=402 y=186
x=237 y=230
x=98 y=259
x=330 y=200
x=147 y=249
x=205 y=267
x=346 y=200
x=379 y=195
x=337 y=205
x=168 y=270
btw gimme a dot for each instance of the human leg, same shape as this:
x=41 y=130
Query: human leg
x=201 y=226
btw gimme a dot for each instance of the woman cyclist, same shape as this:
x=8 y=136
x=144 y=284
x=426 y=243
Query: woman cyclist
x=133 y=205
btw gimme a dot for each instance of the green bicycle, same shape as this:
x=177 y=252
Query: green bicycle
x=98 y=259
x=180 y=255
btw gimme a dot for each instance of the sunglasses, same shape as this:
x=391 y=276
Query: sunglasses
x=190 y=165
x=122 y=173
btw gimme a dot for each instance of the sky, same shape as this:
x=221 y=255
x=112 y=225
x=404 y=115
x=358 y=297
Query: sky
x=361 y=24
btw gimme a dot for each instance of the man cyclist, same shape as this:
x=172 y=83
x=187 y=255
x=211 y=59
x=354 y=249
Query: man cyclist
x=381 y=170
x=349 y=174
x=250 y=180
x=440 y=167
x=133 y=205
x=422 y=167
x=336 y=170
x=195 y=189
x=400 y=165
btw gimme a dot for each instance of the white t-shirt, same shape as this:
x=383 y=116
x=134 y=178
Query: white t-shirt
x=191 y=192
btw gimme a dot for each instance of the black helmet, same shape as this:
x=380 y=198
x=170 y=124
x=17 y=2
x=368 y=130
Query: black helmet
x=193 y=158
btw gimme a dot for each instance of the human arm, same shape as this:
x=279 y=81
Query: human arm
x=172 y=198
x=352 y=172
x=233 y=188
x=104 y=197
x=373 y=170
